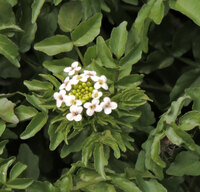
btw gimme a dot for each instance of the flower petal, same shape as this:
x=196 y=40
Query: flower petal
x=106 y=99
x=87 y=105
x=70 y=117
x=97 y=85
x=105 y=86
x=113 y=105
x=74 y=64
x=98 y=108
x=90 y=112
x=58 y=103
x=107 y=110
x=78 y=117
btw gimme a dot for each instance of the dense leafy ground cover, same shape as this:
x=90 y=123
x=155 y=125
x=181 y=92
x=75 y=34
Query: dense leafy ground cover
x=149 y=51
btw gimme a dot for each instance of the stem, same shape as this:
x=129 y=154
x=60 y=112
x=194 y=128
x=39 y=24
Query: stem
x=116 y=79
x=80 y=56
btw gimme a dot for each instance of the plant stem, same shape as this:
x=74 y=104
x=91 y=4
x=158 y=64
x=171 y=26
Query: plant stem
x=80 y=56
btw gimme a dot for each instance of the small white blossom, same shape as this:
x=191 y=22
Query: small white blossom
x=108 y=106
x=66 y=85
x=72 y=70
x=96 y=94
x=92 y=107
x=91 y=74
x=78 y=78
x=71 y=100
x=75 y=113
x=101 y=82
x=60 y=97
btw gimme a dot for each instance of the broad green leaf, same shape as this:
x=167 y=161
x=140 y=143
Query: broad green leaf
x=54 y=45
x=157 y=11
x=56 y=137
x=119 y=140
x=2 y=145
x=155 y=150
x=51 y=79
x=75 y=144
x=194 y=93
x=27 y=157
x=99 y=159
x=35 y=125
x=90 y=54
x=125 y=184
x=36 y=85
x=12 y=2
x=16 y=170
x=186 y=163
x=65 y=181
x=9 y=50
x=24 y=16
x=150 y=186
x=104 y=53
x=10 y=28
x=36 y=8
x=118 y=39
x=25 y=112
x=2 y=127
x=41 y=187
x=131 y=2
x=130 y=81
x=87 y=30
x=69 y=16
x=7 y=111
x=57 y=66
x=4 y=168
x=56 y=2
x=102 y=186
x=188 y=79
x=190 y=120
x=131 y=58
x=19 y=183
x=188 y=8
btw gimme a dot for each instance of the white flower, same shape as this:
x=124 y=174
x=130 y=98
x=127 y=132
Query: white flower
x=75 y=113
x=71 y=70
x=107 y=105
x=92 y=107
x=60 y=97
x=101 y=82
x=66 y=85
x=91 y=74
x=78 y=78
x=96 y=94
x=71 y=100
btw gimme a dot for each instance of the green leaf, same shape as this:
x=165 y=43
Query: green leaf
x=118 y=40
x=56 y=2
x=69 y=16
x=35 y=125
x=51 y=79
x=4 y=168
x=75 y=144
x=36 y=8
x=41 y=187
x=25 y=112
x=19 y=183
x=16 y=170
x=188 y=79
x=190 y=120
x=24 y=16
x=2 y=127
x=54 y=45
x=130 y=81
x=186 y=163
x=57 y=66
x=125 y=184
x=157 y=11
x=150 y=186
x=87 y=30
x=65 y=181
x=188 y=8
x=131 y=58
x=104 y=53
x=99 y=159
x=155 y=150
x=56 y=137
x=2 y=145
x=36 y=85
x=7 y=111
x=27 y=157
x=9 y=50
x=131 y=2
x=194 y=93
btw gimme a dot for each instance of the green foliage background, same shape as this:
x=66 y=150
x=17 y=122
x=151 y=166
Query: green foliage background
x=150 y=52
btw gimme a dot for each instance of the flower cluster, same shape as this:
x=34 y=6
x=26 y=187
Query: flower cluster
x=83 y=91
